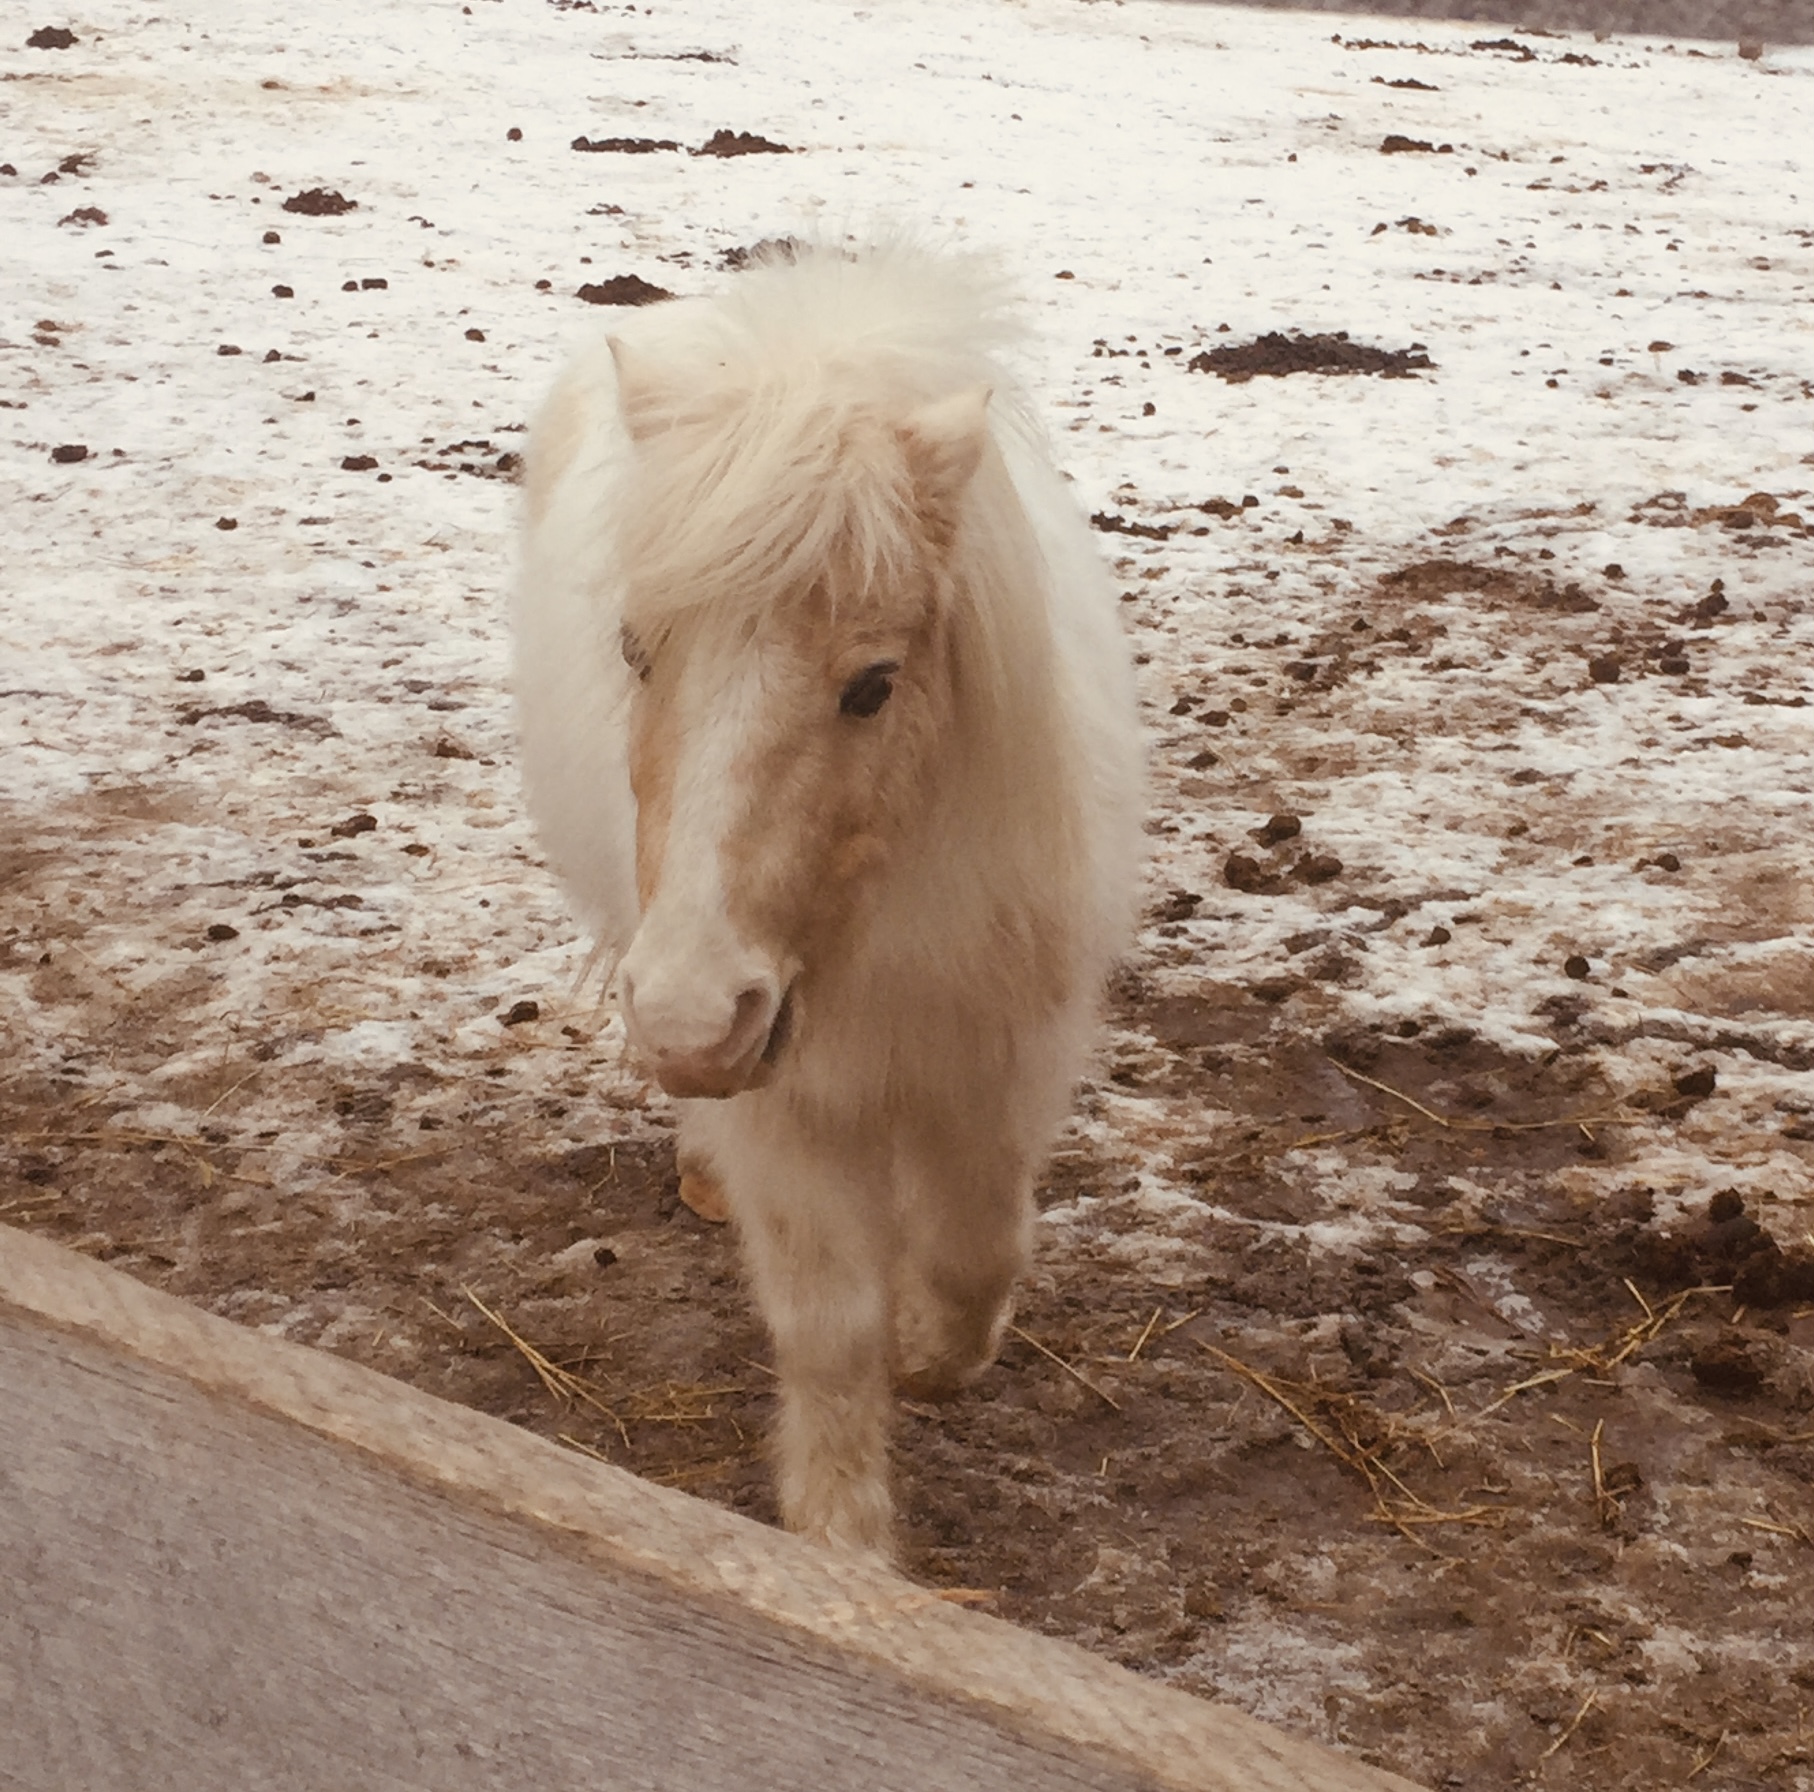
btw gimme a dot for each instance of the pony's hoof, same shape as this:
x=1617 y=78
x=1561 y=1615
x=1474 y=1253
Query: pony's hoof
x=867 y=1543
x=936 y=1382
x=705 y=1195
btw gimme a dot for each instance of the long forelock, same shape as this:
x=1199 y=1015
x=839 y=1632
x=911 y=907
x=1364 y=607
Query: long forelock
x=764 y=495
x=768 y=458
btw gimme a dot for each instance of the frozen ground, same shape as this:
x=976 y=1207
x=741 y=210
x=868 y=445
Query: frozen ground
x=1522 y=641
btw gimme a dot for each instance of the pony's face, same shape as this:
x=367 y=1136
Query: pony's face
x=780 y=751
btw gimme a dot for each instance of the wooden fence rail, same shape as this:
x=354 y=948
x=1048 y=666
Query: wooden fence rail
x=233 y=1564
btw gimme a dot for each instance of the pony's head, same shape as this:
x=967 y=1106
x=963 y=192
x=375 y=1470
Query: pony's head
x=786 y=541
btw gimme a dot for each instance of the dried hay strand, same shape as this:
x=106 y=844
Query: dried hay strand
x=1154 y=1329
x=562 y=1384
x=1799 y=1532
x=1075 y=1373
x=1601 y=1359
x=1366 y=1436
x=1598 y=1361
x=1145 y=1333
x=692 y=1474
x=679 y=1403
x=32 y=1207
x=191 y=1148
x=1574 y=1723
x=1611 y=1487
x=659 y=1403
x=1455 y=1124
x=1707 y=1759
x=584 y=1448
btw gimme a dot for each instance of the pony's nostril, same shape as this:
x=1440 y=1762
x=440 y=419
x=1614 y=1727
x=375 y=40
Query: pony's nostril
x=780 y=1029
x=755 y=1014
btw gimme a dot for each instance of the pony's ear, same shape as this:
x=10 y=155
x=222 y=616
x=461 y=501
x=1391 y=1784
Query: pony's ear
x=944 y=444
x=638 y=392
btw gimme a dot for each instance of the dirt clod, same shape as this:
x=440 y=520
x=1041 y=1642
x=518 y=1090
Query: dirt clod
x=1280 y=827
x=623 y=289
x=256 y=709
x=1605 y=668
x=519 y=1012
x=361 y=823
x=622 y=146
x=68 y=453
x=1112 y=523
x=51 y=37
x=1575 y=966
x=741 y=143
x=320 y=202
x=1244 y=873
x=1727 y=1366
x=1276 y=354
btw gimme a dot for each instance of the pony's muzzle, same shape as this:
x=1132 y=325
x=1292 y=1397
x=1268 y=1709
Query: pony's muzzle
x=706 y=1044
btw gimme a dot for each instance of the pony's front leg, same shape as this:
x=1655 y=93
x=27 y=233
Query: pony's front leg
x=814 y=1224
x=965 y=1219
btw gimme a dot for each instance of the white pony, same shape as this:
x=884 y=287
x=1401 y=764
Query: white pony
x=829 y=729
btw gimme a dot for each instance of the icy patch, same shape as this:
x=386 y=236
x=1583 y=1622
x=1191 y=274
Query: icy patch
x=369 y=1044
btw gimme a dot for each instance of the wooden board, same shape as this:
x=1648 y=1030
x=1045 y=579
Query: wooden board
x=232 y=1564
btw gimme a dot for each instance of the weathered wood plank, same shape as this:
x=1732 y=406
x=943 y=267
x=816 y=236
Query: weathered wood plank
x=231 y=1562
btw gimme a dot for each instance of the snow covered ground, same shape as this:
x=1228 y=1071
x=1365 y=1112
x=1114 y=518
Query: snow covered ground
x=1523 y=640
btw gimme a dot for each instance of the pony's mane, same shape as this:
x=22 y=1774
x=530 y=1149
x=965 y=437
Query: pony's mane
x=766 y=421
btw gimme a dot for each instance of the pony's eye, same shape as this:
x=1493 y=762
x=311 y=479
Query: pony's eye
x=635 y=654
x=869 y=690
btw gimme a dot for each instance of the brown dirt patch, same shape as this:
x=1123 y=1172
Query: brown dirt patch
x=741 y=143
x=320 y=202
x=1276 y=354
x=623 y=146
x=623 y=289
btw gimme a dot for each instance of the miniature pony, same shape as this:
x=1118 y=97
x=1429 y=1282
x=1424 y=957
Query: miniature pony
x=829 y=730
